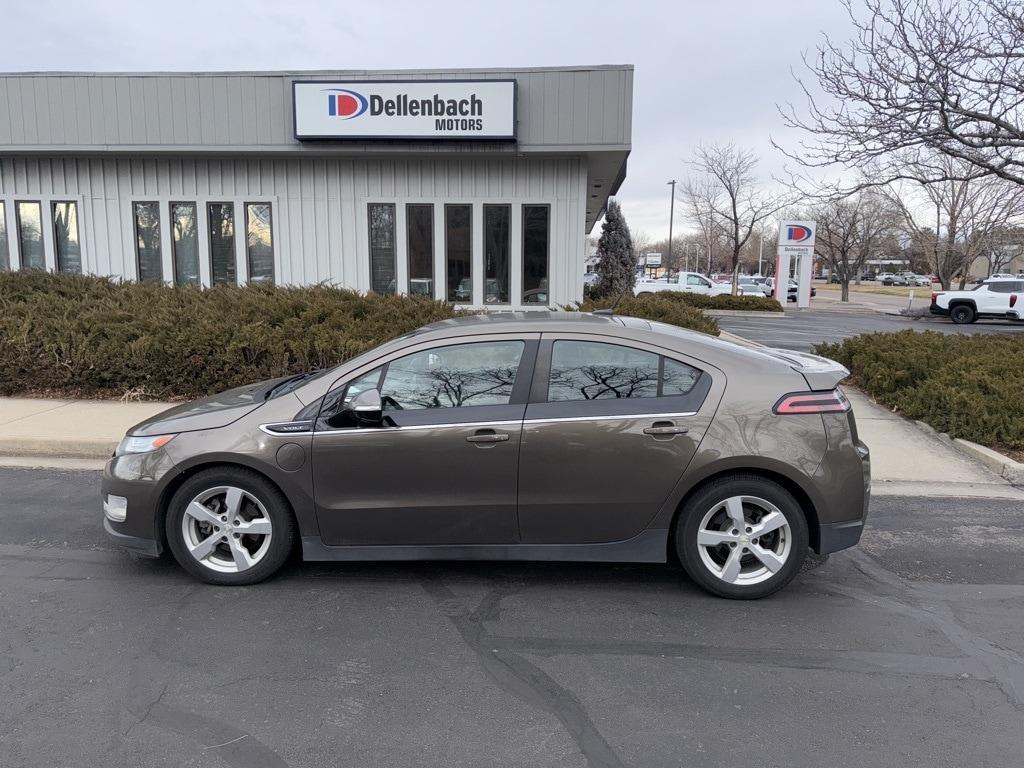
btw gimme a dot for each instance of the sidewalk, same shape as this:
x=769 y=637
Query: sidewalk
x=34 y=431
x=908 y=460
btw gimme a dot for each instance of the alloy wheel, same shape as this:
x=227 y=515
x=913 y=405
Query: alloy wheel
x=226 y=529
x=744 y=540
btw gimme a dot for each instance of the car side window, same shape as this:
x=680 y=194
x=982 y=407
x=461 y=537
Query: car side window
x=587 y=370
x=678 y=378
x=694 y=280
x=478 y=373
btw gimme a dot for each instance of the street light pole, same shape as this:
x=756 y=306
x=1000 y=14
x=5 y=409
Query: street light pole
x=671 y=216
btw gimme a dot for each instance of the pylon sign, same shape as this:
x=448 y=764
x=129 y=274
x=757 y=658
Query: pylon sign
x=796 y=241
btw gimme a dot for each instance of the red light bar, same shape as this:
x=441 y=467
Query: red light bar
x=833 y=401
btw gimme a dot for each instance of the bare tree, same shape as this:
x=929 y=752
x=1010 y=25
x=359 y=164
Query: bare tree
x=920 y=79
x=956 y=219
x=725 y=199
x=849 y=229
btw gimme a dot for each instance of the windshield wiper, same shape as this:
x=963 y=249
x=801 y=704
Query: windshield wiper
x=289 y=384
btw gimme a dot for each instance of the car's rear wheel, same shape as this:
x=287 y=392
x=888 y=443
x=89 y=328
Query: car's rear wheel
x=962 y=314
x=230 y=526
x=742 y=537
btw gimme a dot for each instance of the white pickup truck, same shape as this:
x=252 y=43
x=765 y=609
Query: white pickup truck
x=690 y=282
x=995 y=297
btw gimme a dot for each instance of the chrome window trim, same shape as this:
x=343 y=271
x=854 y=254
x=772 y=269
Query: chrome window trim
x=464 y=424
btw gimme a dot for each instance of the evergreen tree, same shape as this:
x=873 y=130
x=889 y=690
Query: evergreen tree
x=618 y=263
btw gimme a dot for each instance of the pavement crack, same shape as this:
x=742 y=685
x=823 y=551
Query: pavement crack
x=520 y=677
x=1006 y=668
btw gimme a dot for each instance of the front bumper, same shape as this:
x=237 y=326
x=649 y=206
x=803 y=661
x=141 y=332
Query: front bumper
x=138 y=478
x=136 y=545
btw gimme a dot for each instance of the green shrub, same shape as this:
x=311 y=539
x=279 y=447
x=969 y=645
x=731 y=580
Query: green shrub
x=662 y=307
x=969 y=386
x=723 y=301
x=72 y=335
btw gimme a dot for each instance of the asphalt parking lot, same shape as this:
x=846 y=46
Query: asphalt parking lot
x=801 y=329
x=906 y=651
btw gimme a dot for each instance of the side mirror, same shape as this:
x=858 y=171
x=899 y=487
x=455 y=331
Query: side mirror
x=367 y=407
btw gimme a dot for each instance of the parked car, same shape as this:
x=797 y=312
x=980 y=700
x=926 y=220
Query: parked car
x=894 y=280
x=993 y=298
x=688 y=282
x=547 y=436
x=791 y=293
x=590 y=279
x=924 y=281
x=747 y=286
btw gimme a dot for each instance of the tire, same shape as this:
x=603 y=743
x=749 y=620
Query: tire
x=763 y=568
x=962 y=314
x=259 y=507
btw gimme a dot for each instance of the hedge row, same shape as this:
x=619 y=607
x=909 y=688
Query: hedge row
x=664 y=306
x=724 y=301
x=969 y=386
x=79 y=336
x=71 y=335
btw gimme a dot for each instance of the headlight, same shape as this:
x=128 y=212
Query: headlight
x=142 y=444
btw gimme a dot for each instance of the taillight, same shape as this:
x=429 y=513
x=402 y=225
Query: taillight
x=832 y=401
x=1013 y=299
x=935 y=295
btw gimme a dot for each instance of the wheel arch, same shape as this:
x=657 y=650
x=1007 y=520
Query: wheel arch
x=190 y=471
x=802 y=497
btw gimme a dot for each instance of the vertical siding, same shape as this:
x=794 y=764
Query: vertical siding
x=319 y=204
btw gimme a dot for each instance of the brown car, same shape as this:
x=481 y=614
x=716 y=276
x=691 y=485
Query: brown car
x=515 y=436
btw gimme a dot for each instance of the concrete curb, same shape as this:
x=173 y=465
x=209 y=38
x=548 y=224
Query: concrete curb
x=1008 y=469
x=34 y=447
x=744 y=313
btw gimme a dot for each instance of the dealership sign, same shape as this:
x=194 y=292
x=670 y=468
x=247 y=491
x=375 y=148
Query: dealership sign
x=797 y=237
x=414 y=109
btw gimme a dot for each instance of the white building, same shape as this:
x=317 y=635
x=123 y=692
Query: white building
x=475 y=186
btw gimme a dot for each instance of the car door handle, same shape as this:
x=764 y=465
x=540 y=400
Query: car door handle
x=663 y=428
x=488 y=437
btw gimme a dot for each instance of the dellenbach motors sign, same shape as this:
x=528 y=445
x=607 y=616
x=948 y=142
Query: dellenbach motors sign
x=416 y=109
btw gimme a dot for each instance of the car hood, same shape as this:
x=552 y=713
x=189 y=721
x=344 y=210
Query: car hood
x=208 y=413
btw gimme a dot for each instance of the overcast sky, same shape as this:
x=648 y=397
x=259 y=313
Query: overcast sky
x=705 y=70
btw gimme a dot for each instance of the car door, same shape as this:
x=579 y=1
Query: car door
x=442 y=469
x=609 y=430
x=697 y=284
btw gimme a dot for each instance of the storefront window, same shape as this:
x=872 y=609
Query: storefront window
x=259 y=241
x=419 y=222
x=382 y=247
x=458 y=239
x=536 y=235
x=184 y=239
x=147 y=241
x=66 y=242
x=497 y=230
x=222 y=243
x=5 y=251
x=30 y=235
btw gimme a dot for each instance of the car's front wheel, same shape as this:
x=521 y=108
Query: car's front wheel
x=230 y=526
x=742 y=537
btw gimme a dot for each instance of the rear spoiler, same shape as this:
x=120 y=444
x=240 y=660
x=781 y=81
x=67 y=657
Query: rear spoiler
x=819 y=372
